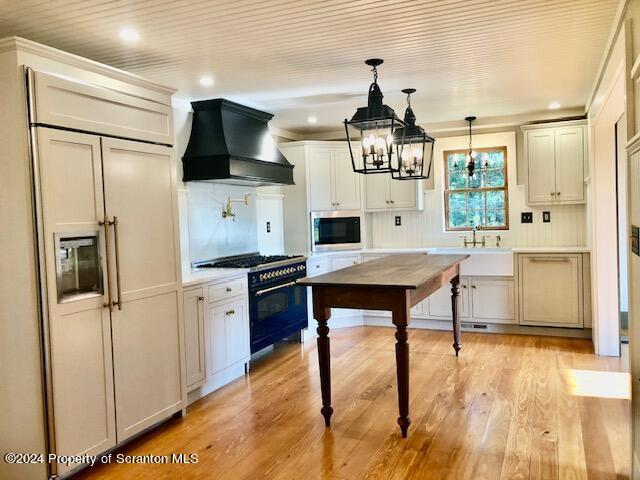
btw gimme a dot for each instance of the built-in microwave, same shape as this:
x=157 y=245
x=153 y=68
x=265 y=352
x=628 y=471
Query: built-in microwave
x=336 y=230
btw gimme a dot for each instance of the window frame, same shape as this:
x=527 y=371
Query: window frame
x=505 y=188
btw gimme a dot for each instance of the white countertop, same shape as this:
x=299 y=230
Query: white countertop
x=434 y=249
x=195 y=276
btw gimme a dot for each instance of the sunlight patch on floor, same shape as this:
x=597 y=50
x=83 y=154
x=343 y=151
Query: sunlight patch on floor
x=593 y=383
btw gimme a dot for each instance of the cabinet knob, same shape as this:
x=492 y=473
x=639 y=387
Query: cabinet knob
x=391 y=201
x=473 y=286
x=201 y=299
x=558 y=193
x=228 y=289
x=553 y=193
x=464 y=286
x=230 y=312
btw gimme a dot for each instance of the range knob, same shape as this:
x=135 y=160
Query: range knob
x=261 y=277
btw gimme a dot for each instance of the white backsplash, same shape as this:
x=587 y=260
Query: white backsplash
x=210 y=235
x=426 y=228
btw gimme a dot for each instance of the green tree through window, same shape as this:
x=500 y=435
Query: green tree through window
x=482 y=200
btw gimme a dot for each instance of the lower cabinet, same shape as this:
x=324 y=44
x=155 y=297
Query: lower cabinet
x=217 y=336
x=438 y=304
x=492 y=299
x=551 y=290
x=228 y=334
x=194 y=336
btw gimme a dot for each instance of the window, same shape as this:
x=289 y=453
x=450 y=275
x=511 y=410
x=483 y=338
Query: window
x=481 y=200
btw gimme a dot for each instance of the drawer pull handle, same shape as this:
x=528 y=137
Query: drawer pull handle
x=230 y=312
x=228 y=289
x=549 y=260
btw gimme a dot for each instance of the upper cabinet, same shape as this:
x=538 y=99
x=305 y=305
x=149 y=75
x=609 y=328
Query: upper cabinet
x=331 y=182
x=556 y=154
x=382 y=193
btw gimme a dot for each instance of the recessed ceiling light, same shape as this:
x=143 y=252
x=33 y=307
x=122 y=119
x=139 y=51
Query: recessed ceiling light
x=206 y=81
x=129 y=34
x=312 y=119
x=554 y=105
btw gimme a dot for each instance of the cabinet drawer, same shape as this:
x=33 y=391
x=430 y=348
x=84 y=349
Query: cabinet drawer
x=91 y=108
x=318 y=266
x=223 y=291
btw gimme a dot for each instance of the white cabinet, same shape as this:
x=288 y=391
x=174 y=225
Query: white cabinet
x=550 y=290
x=228 y=334
x=331 y=182
x=492 y=300
x=194 y=336
x=439 y=302
x=556 y=156
x=344 y=261
x=318 y=266
x=382 y=193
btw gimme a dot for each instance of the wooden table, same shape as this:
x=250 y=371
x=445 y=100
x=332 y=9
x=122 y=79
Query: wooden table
x=395 y=283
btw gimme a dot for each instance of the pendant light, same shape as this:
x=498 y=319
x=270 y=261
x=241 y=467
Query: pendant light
x=374 y=126
x=414 y=147
x=471 y=156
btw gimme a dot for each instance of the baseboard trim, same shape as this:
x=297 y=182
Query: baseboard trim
x=217 y=380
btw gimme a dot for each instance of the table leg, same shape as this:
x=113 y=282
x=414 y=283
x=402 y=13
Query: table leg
x=400 y=320
x=322 y=315
x=455 y=309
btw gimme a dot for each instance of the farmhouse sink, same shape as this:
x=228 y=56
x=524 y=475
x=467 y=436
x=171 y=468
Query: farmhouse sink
x=484 y=261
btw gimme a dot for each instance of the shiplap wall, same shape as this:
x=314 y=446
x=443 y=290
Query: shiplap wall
x=426 y=228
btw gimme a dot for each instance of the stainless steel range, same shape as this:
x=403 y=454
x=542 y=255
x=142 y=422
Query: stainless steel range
x=277 y=305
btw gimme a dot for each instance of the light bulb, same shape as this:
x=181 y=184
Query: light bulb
x=389 y=139
x=405 y=155
x=417 y=154
x=365 y=142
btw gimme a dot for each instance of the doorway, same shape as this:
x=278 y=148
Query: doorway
x=623 y=238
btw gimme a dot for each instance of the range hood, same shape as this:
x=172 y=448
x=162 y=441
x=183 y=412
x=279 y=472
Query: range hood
x=231 y=143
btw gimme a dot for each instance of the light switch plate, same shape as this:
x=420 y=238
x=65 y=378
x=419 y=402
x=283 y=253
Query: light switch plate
x=527 y=217
x=268 y=227
x=546 y=217
x=398 y=221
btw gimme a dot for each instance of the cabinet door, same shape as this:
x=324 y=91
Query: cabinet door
x=320 y=179
x=228 y=334
x=140 y=189
x=194 y=336
x=492 y=300
x=569 y=145
x=403 y=195
x=346 y=183
x=550 y=290
x=541 y=182
x=344 y=261
x=79 y=330
x=376 y=192
x=439 y=302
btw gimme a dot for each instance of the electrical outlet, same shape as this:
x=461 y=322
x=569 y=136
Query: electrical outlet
x=546 y=217
x=268 y=227
x=526 y=217
x=398 y=221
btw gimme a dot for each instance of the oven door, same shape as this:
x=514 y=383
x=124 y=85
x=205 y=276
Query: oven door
x=276 y=312
x=336 y=230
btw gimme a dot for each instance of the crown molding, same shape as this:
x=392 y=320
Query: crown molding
x=24 y=45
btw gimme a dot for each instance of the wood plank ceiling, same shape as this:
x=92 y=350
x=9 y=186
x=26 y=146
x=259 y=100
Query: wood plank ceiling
x=298 y=58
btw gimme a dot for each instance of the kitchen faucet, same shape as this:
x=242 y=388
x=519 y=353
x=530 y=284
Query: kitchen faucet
x=474 y=242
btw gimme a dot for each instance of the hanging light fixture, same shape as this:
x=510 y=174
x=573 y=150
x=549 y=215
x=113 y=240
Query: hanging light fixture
x=374 y=125
x=414 y=148
x=471 y=155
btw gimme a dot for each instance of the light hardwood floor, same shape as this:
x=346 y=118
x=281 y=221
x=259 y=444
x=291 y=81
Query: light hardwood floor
x=510 y=407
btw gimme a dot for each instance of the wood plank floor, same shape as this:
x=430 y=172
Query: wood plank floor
x=511 y=407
